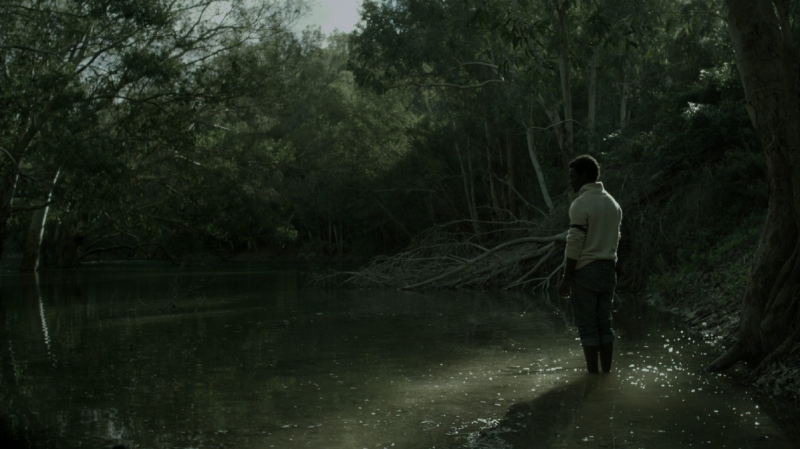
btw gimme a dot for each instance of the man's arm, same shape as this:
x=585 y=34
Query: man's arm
x=576 y=236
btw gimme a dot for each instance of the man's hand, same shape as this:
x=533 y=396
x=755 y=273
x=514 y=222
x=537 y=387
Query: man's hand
x=566 y=282
x=564 y=288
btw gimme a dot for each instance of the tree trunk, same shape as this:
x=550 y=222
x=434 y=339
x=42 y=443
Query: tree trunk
x=512 y=197
x=429 y=203
x=566 y=92
x=30 y=255
x=68 y=238
x=8 y=186
x=498 y=212
x=493 y=190
x=565 y=142
x=339 y=236
x=9 y=169
x=765 y=59
x=33 y=243
x=560 y=133
x=538 y=168
x=330 y=231
x=469 y=194
x=471 y=181
x=67 y=248
x=623 y=105
x=592 y=87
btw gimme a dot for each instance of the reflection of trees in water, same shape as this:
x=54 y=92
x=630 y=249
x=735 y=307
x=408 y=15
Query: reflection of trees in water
x=18 y=421
x=35 y=294
x=122 y=369
x=44 y=404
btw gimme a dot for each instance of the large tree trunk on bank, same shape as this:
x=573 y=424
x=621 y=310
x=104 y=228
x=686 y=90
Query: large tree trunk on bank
x=766 y=60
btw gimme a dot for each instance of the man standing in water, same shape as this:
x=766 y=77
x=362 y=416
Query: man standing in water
x=591 y=257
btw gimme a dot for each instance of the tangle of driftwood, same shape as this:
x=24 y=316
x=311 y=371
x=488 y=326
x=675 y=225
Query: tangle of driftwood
x=442 y=259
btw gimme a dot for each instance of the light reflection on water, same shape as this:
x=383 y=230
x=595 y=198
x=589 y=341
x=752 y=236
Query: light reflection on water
x=245 y=358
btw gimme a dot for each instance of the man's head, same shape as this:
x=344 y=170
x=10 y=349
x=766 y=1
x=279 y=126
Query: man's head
x=583 y=170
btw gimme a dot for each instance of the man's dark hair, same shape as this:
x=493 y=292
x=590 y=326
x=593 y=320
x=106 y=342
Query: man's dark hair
x=587 y=167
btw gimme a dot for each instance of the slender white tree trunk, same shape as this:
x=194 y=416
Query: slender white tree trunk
x=33 y=243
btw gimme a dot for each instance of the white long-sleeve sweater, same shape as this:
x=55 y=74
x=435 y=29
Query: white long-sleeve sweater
x=595 y=218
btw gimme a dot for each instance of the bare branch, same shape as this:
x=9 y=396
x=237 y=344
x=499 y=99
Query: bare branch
x=457 y=86
x=31 y=208
x=30 y=49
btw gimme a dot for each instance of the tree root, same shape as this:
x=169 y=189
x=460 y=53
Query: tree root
x=784 y=294
x=731 y=357
x=784 y=349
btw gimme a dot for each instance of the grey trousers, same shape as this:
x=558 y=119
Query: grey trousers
x=592 y=297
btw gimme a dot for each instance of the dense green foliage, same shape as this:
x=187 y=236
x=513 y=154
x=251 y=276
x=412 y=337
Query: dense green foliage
x=188 y=129
x=191 y=135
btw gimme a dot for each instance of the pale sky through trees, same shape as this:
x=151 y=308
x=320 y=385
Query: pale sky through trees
x=332 y=14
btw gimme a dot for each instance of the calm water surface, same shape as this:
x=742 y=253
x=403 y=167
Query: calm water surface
x=248 y=358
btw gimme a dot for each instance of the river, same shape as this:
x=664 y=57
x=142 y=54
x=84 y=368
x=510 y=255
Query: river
x=246 y=356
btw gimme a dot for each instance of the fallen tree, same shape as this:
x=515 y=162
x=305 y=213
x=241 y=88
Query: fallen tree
x=446 y=258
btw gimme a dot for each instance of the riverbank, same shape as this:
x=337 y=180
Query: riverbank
x=707 y=292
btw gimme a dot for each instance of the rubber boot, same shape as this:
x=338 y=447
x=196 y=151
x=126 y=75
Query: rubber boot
x=606 y=352
x=590 y=352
